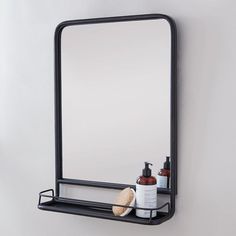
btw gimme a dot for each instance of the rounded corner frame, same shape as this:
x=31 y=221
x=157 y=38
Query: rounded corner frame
x=173 y=105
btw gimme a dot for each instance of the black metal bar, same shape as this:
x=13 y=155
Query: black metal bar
x=174 y=98
x=98 y=184
x=150 y=218
x=113 y=19
x=173 y=124
x=48 y=190
x=41 y=194
x=58 y=109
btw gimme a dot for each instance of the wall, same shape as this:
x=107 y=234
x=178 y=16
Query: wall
x=207 y=130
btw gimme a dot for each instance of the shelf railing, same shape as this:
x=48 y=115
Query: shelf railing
x=97 y=205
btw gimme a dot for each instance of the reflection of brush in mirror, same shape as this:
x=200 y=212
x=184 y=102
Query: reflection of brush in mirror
x=126 y=198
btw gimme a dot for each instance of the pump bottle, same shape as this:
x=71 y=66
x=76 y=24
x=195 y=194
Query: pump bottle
x=146 y=193
x=163 y=177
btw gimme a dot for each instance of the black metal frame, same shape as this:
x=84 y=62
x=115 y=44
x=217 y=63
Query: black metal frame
x=103 y=210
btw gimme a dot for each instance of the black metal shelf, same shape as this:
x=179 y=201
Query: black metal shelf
x=99 y=209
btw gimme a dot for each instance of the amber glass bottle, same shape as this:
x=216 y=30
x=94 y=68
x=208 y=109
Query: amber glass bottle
x=163 y=178
x=144 y=180
x=146 y=193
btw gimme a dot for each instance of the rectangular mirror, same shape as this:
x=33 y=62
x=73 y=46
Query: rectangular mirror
x=116 y=99
x=115 y=108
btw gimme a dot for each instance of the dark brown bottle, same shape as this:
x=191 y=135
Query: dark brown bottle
x=146 y=178
x=146 y=193
x=163 y=177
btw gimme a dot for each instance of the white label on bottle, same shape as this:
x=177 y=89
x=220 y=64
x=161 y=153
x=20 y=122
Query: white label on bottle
x=162 y=181
x=146 y=197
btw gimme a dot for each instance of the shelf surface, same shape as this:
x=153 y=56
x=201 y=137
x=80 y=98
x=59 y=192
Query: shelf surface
x=76 y=209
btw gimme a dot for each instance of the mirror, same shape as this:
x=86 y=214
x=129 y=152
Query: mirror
x=116 y=91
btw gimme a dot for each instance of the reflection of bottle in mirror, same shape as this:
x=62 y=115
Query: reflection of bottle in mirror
x=163 y=177
x=146 y=193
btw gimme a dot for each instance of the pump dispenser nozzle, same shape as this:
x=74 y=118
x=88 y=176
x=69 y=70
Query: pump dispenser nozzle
x=147 y=172
x=167 y=163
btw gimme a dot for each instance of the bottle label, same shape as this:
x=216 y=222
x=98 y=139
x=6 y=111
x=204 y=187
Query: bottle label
x=146 y=197
x=162 y=181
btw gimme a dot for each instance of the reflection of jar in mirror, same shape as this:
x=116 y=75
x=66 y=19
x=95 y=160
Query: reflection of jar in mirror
x=163 y=177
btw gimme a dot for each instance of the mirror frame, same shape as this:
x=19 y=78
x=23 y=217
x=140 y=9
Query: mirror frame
x=173 y=107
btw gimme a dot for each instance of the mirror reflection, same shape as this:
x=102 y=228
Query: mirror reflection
x=115 y=99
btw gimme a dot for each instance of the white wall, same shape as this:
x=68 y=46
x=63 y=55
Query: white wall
x=207 y=129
